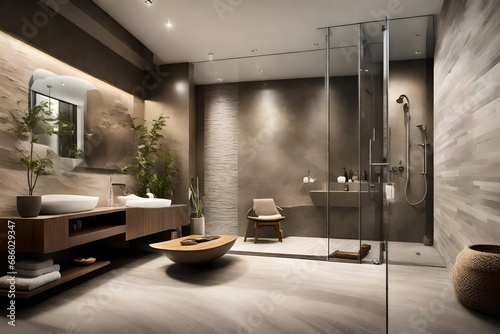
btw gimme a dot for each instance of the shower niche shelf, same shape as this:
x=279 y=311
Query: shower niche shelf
x=338 y=197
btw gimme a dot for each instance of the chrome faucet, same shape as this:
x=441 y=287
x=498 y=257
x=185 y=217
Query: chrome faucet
x=111 y=194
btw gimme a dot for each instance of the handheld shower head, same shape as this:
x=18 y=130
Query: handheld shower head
x=401 y=99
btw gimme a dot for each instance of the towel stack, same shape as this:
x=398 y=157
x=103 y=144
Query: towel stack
x=32 y=274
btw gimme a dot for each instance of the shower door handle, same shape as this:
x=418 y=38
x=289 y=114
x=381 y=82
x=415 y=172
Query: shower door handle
x=371 y=163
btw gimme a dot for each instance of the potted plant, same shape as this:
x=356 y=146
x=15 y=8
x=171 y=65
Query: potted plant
x=152 y=166
x=35 y=121
x=197 y=202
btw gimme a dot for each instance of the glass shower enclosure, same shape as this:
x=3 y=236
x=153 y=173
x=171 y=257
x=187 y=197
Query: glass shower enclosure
x=357 y=153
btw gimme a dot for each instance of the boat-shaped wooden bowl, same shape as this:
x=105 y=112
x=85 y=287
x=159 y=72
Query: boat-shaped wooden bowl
x=206 y=248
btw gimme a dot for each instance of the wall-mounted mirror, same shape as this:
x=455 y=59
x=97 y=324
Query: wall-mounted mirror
x=102 y=138
x=67 y=100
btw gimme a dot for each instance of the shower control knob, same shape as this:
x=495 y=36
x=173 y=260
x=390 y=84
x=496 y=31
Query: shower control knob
x=401 y=168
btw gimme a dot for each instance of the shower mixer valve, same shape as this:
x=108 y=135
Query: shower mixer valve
x=399 y=167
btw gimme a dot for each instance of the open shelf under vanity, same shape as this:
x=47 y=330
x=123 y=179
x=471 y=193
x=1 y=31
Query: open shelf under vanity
x=58 y=236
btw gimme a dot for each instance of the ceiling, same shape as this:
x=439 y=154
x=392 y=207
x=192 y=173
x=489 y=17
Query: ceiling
x=238 y=40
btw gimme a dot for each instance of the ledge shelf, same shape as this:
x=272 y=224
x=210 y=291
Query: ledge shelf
x=66 y=276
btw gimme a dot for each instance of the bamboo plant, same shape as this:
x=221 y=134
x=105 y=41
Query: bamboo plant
x=152 y=166
x=36 y=121
x=197 y=201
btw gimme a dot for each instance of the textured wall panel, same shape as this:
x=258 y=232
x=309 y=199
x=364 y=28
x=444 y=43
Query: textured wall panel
x=18 y=60
x=467 y=126
x=221 y=159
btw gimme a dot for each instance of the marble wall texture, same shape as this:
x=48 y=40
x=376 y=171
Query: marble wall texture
x=467 y=125
x=18 y=60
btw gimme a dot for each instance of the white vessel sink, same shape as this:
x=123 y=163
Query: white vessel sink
x=124 y=199
x=134 y=201
x=149 y=203
x=57 y=204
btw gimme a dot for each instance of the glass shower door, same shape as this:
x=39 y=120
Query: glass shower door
x=373 y=135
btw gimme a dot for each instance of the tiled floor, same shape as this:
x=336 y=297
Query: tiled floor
x=317 y=248
x=147 y=293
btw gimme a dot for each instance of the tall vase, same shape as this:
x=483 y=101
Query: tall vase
x=29 y=206
x=476 y=278
x=198 y=225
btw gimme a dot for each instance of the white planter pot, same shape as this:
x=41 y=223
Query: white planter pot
x=198 y=225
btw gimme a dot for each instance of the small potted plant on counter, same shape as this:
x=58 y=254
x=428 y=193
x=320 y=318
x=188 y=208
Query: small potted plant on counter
x=34 y=122
x=197 y=201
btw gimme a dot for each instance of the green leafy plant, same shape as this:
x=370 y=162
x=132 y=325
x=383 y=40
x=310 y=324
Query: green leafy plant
x=36 y=121
x=151 y=157
x=197 y=201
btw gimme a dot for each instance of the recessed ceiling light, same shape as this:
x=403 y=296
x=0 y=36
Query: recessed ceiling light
x=261 y=70
x=169 y=25
x=417 y=35
x=148 y=2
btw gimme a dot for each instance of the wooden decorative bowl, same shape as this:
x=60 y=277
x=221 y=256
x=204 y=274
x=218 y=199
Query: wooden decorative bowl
x=204 y=250
x=84 y=261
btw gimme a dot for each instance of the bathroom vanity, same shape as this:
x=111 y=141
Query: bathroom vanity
x=58 y=233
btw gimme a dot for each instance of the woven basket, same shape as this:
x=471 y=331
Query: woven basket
x=476 y=278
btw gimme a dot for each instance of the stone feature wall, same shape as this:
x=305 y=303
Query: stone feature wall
x=18 y=60
x=221 y=159
x=467 y=126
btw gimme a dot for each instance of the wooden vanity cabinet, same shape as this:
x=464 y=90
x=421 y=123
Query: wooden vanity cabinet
x=57 y=233
x=142 y=222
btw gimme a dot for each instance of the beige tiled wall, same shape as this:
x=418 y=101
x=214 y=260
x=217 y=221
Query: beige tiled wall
x=467 y=125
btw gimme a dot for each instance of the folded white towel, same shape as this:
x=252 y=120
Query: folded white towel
x=34 y=264
x=30 y=283
x=36 y=273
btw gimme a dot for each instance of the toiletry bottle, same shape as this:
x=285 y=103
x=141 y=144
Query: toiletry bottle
x=355 y=176
x=307 y=178
x=110 y=194
x=345 y=175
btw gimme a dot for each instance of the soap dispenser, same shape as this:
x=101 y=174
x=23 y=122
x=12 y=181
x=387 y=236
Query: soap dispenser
x=307 y=178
